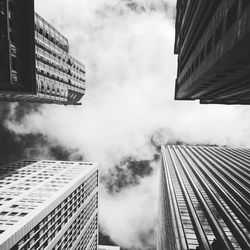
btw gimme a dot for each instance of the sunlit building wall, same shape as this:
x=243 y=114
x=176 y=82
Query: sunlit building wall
x=49 y=205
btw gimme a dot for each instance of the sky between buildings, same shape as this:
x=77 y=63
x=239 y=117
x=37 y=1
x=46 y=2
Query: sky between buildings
x=127 y=113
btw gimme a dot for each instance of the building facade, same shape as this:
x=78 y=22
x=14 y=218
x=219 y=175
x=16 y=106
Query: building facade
x=101 y=247
x=49 y=205
x=204 y=198
x=212 y=43
x=35 y=64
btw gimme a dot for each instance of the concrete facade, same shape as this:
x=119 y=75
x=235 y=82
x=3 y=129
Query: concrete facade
x=49 y=205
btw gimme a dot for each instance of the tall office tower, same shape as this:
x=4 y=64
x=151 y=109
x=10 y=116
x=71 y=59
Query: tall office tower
x=101 y=247
x=212 y=40
x=35 y=65
x=204 y=198
x=49 y=205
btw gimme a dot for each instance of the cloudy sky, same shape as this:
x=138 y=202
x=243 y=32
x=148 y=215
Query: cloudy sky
x=127 y=113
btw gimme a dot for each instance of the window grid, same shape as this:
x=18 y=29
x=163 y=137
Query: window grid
x=70 y=236
x=56 y=69
x=88 y=235
x=40 y=236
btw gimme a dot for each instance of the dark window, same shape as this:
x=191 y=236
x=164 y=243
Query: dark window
x=14 y=63
x=23 y=214
x=232 y=15
x=192 y=68
x=202 y=55
x=218 y=34
x=197 y=62
x=13 y=214
x=209 y=45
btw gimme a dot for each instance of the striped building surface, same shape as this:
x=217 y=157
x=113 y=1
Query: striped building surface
x=49 y=205
x=204 y=198
x=212 y=43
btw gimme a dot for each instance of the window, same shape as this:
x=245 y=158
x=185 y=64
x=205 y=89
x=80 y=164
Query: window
x=218 y=33
x=232 y=15
x=23 y=214
x=209 y=45
x=13 y=214
x=14 y=206
x=245 y=3
x=202 y=55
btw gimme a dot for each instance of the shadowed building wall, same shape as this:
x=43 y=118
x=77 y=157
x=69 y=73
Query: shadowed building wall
x=212 y=43
x=204 y=198
x=35 y=65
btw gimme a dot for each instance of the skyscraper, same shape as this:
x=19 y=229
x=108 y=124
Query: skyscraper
x=49 y=205
x=101 y=247
x=35 y=65
x=212 y=43
x=204 y=198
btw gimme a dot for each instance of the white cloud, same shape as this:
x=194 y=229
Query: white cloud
x=127 y=215
x=131 y=73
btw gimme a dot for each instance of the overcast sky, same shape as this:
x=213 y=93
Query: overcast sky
x=128 y=110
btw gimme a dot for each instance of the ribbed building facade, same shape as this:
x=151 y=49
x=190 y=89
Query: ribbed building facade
x=212 y=43
x=35 y=64
x=204 y=198
x=49 y=205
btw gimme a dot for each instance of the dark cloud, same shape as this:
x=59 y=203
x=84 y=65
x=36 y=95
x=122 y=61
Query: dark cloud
x=126 y=173
x=147 y=238
x=142 y=7
x=105 y=239
x=32 y=146
x=11 y=149
x=136 y=7
x=65 y=155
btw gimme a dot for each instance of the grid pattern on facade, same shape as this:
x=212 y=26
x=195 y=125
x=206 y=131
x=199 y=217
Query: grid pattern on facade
x=79 y=226
x=213 y=52
x=52 y=224
x=35 y=64
x=30 y=190
x=13 y=167
x=210 y=189
x=27 y=178
x=58 y=74
x=90 y=238
x=94 y=244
